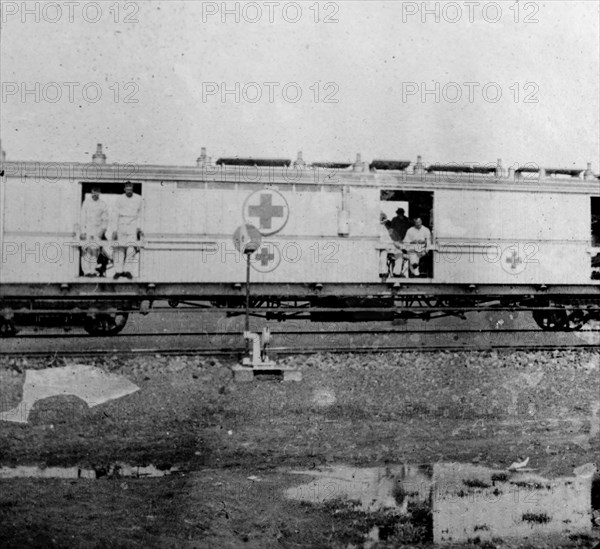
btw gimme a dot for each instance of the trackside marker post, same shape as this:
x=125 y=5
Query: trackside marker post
x=247 y=240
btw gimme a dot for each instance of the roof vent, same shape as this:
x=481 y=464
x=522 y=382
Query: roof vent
x=299 y=162
x=465 y=168
x=500 y=172
x=563 y=171
x=589 y=174
x=519 y=172
x=202 y=159
x=418 y=168
x=332 y=165
x=398 y=165
x=548 y=172
x=277 y=162
x=99 y=157
x=359 y=165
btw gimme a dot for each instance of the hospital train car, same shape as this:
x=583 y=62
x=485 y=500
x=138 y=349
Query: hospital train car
x=523 y=238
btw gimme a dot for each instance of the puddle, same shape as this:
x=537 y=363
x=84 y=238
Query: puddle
x=471 y=502
x=92 y=385
x=118 y=470
x=465 y=501
x=376 y=488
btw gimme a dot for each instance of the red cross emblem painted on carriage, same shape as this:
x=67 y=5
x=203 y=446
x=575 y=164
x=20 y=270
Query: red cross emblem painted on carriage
x=267 y=210
x=266 y=258
x=511 y=260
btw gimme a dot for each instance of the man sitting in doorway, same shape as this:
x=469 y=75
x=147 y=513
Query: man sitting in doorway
x=94 y=222
x=418 y=243
x=394 y=253
x=128 y=218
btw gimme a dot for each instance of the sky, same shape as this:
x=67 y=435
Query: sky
x=461 y=82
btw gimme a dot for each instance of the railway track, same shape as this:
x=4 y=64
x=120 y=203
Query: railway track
x=230 y=343
x=70 y=335
x=286 y=351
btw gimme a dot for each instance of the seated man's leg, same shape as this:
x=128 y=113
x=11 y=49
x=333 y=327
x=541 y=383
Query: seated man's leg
x=89 y=255
x=401 y=268
x=85 y=260
x=405 y=264
x=103 y=260
x=124 y=254
x=426 y=265
x=390 y=263
x=384 y=264
x=130 y=261
x=398 y=264
x=413 y=260
x=119 y=259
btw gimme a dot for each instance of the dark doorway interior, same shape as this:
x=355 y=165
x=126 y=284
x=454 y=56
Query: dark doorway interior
x=416 y=204
x=107 y=188
x=595 y=229
x=420 y=204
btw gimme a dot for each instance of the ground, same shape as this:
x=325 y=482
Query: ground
x=360 y=410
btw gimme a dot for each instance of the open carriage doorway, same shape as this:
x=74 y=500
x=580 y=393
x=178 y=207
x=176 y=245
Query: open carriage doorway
x=595 y=229
x=98 y=257
x=409 y=211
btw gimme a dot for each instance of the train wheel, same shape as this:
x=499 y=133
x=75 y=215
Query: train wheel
x=576 y=318
x=105 y=324
x=567 y=319
x=7 y=328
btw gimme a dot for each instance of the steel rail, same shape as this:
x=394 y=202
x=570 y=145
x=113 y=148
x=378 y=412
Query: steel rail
x=275 y=310
x=288 y=351
x=70 y=335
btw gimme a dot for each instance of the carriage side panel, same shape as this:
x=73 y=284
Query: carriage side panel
x=504 y=237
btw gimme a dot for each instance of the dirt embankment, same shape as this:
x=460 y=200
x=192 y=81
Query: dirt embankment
x=487 y=408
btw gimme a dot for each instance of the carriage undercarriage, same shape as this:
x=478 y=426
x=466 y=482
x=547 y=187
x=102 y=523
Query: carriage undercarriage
x=105 y=310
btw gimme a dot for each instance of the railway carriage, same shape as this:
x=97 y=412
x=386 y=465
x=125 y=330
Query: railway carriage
x=518 y=238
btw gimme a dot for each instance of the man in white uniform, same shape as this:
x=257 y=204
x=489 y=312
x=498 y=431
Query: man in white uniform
x=394 y=254
x=417 y=242
x=128 y=219
x=94 y=222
